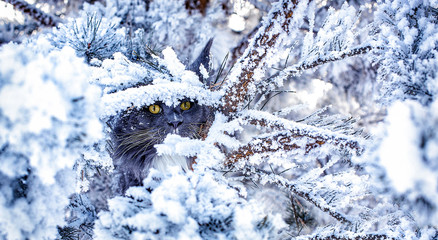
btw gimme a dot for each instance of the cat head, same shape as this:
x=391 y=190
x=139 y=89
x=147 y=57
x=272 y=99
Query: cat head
x=137 y=130
x=180 y=104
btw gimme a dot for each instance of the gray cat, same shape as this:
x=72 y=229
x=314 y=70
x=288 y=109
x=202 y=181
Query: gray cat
x=137 y=130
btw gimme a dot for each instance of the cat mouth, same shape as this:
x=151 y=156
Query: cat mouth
x=175 y=131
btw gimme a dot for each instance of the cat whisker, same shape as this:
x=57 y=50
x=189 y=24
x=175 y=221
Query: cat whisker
x=195 y=132
x=140 y=139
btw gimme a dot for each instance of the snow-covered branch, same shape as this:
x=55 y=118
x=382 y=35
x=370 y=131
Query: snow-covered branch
x=289 y=136
x=249 y=70
x=296 y=69
x=297 y=189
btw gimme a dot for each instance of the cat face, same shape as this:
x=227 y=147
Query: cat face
x=137 y=131
x=156 y=121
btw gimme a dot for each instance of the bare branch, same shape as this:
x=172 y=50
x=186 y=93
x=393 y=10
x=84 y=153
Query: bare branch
x=40 y=16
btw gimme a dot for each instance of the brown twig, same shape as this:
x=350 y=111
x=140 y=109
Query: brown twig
x=282 y=141
x=322 y=139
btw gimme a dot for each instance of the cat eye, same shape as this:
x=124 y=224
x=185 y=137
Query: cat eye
x=186 y=106
x=154 y=109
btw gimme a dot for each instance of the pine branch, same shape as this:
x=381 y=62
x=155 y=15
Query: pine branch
x=283 y=141
x=242 y=80
x=40 y=16
x=334 y=56
x=259 y=175
x=286 y=139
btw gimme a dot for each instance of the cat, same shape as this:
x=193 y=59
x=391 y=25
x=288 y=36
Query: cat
x=136 y=131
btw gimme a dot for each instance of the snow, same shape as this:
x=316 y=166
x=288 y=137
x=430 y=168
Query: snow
x=173 y=208
x=203 y=71
x=403 y=157
x=400 y=147
x=46 y=103
x=236 y=23
x=37 y=100
x=118 y=73
x=170 y=93
x=172 y=63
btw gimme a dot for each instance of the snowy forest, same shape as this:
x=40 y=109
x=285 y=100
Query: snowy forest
x=320 y=121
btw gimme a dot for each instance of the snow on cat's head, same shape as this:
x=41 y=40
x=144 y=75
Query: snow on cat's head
x=170 y=87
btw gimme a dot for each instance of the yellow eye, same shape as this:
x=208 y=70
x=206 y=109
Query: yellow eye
x=186 y=106
x=154 y=109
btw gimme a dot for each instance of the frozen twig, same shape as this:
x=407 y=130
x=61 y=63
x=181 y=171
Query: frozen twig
x=283 y=141
x=296 y=69
x=303 y=193
x=40 y=16
x=287 y=137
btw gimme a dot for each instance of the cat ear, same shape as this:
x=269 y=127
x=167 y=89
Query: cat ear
x=202 y=66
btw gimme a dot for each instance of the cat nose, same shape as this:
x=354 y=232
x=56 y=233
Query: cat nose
x=175 y=120
x=175 y=124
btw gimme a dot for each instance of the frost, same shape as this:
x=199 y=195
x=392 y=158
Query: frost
x=404 y=70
